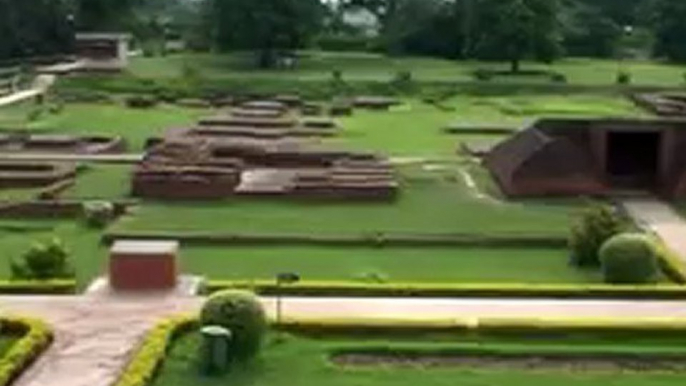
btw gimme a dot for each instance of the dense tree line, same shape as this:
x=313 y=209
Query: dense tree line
x=511 y=30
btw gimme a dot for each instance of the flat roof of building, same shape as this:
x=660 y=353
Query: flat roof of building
x=145 y=247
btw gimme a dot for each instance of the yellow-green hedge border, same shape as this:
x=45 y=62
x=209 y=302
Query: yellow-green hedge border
x=25 y=351
x=146 y=362
x=143 y=367
x=670 y=263
x=37 y=287
x=496 y=290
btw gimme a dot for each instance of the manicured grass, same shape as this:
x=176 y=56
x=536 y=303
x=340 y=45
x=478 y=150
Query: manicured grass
x=87 y=255
x=429 y=202
x=364 y=66
x=104 y=182
x=438 y=265
x=414 y=128
x=18 y=194
x=303 y=361
x=136 y=125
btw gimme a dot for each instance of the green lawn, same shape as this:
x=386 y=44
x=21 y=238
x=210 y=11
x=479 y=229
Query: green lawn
x=411 y=129
x=136 y=125
x=414 y=128
x=103 y=182
x=18 y=194
x=438 y=265
x=429 y=202
x=373 y=67
x=444 y=264
x=87 y=255
x=305 y=361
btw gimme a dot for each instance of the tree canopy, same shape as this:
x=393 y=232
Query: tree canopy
x=510 y=30
x=265 y=26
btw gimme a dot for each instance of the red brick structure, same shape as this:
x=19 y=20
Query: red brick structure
x=143 y=265
x=67 y=144
x=592 y=157
x=185 y=169
x=30 y=174
x=662 y=104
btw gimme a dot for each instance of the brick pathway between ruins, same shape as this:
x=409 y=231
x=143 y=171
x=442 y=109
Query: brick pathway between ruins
x=660 y=218
x=96 y=336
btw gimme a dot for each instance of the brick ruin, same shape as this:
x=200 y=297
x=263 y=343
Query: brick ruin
x=67 y=144
x=30 y=174
x=259 y=155
x=33 y=174
x=593 y=157
x=662 y=104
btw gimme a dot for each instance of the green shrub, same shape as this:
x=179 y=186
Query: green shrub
x=241 y=313
x=595 y=225
x=629 y=259
x=623 y=78
x=558 y=78
x=98 y=214
x=482 y=74
x=141 y=102
x=42 y=262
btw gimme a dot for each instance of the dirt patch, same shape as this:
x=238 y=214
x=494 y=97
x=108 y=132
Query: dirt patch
x=572 y=363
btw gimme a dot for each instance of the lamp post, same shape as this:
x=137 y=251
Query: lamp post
x=281 y=279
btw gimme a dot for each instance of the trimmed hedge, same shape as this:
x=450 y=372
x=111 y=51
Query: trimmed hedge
x=670 y=263
x=36 y=338
x=531 y=327
x=143 y=367
x=359 y=240
x=145 y=363
x=333 y=288
x=31 y=287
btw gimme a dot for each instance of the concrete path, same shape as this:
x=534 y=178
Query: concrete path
x=660 y=218
x=95 y=336
x=19 y=97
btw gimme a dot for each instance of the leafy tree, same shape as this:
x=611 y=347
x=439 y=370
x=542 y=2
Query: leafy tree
x=265 y=26
x=106 y=15
x=514 y=30
x=34 y=28
x=425 y=27
x=588 y=31
x=670 y=29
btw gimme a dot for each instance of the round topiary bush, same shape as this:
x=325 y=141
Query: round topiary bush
x=98 y=214
x=241 y=313
x=595 y=225
x=629 y=259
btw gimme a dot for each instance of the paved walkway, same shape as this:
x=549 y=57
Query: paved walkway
x=96 y=336
x=661 y=219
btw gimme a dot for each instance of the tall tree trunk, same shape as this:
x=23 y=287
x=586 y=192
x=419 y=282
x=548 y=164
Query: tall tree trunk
x=514 y=65
x=266 y=58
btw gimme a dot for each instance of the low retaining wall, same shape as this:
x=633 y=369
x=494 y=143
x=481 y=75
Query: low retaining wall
x=52 y=209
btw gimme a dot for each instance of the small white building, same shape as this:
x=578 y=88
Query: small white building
x=103 y=51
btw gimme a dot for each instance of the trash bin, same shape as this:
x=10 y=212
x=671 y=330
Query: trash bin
x=214 y=349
